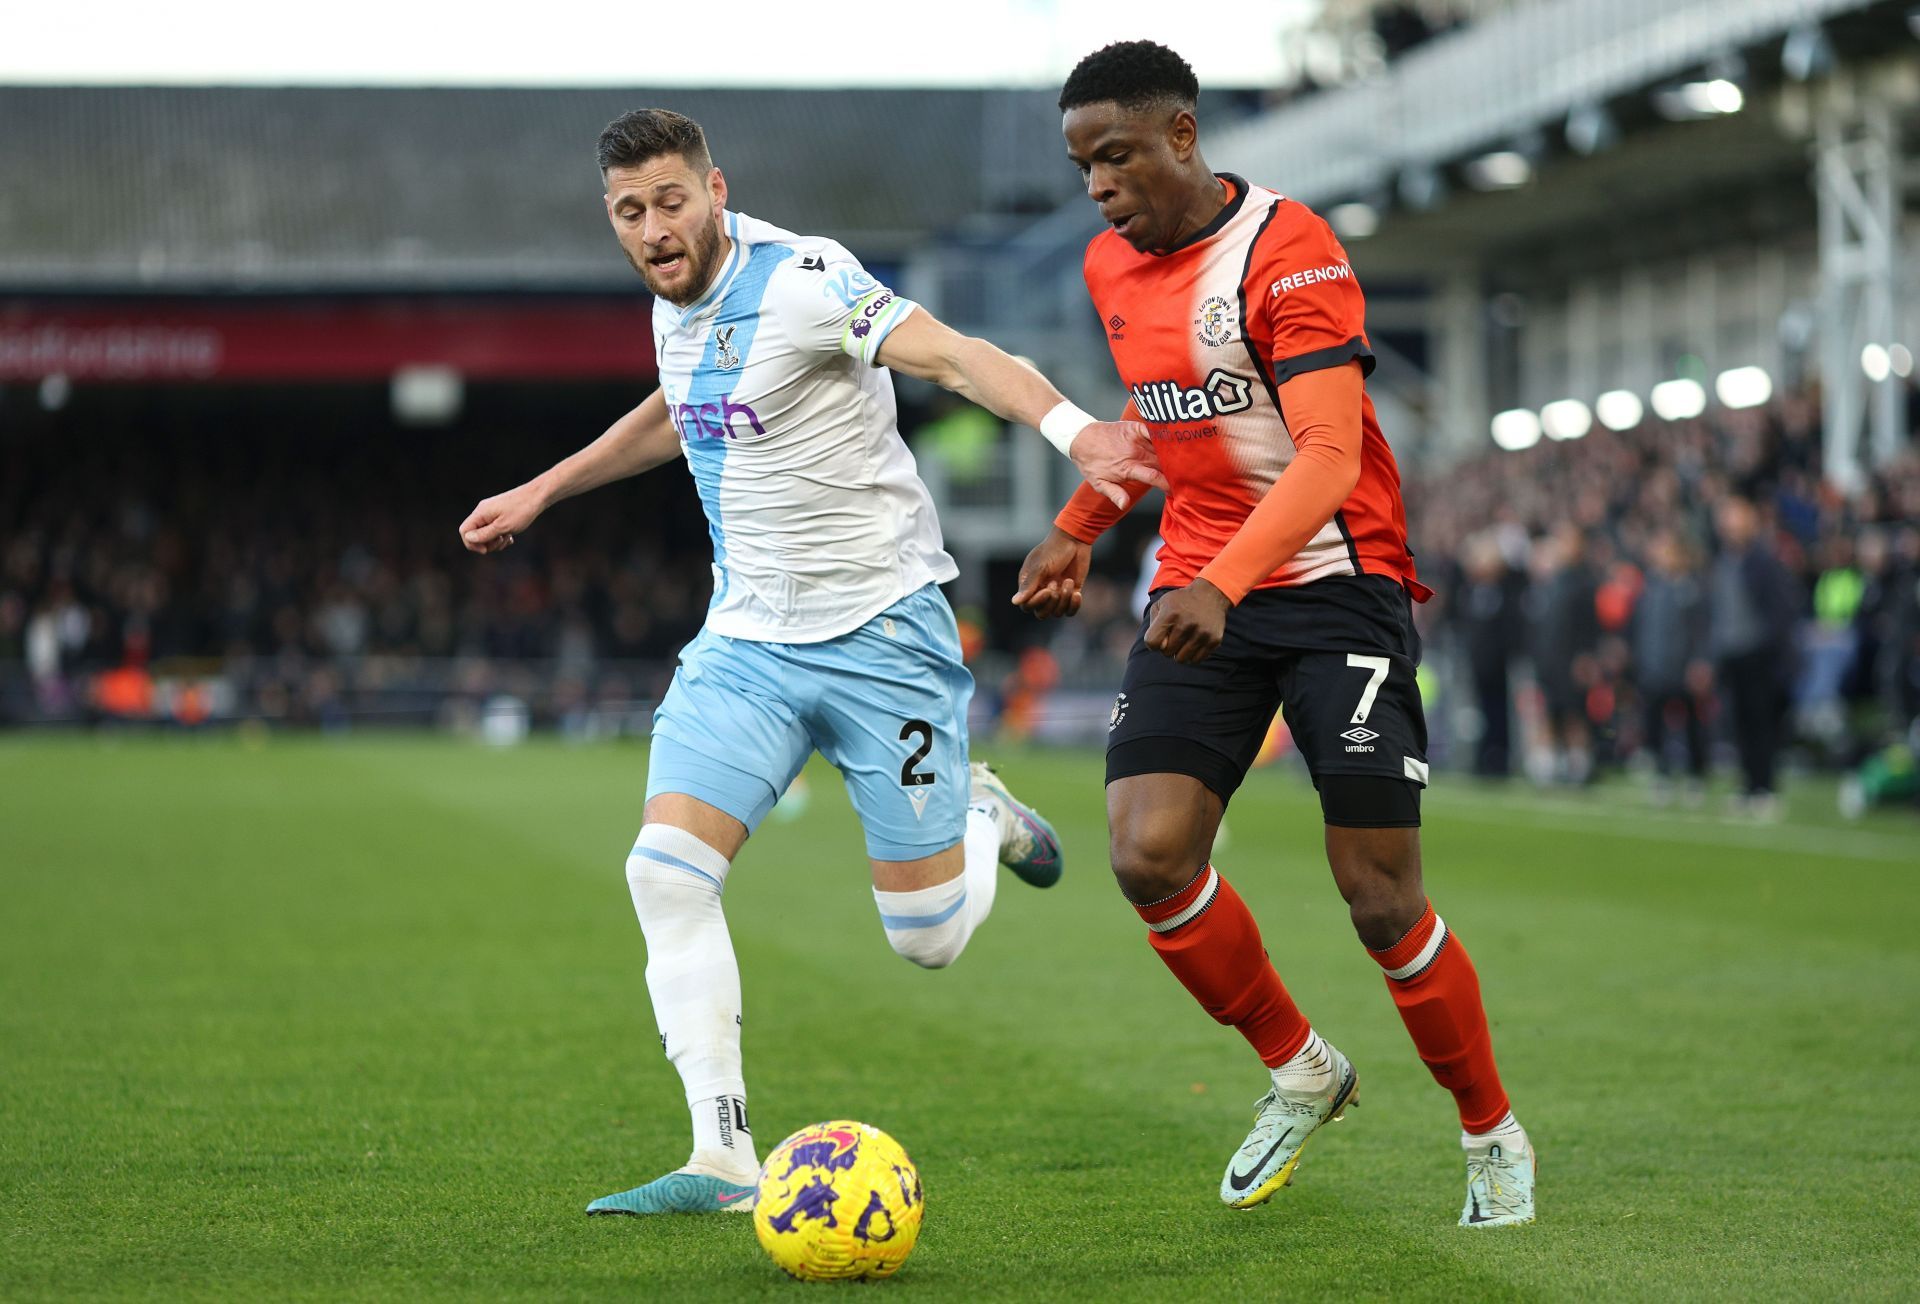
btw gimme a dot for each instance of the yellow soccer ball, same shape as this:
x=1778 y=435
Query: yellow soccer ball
x=838 y=1200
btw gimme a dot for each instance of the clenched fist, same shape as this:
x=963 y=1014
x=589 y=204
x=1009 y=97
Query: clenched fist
x=1189 y=623
x=492 y=525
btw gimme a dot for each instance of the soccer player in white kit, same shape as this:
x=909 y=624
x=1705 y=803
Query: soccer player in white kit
x=827 y=630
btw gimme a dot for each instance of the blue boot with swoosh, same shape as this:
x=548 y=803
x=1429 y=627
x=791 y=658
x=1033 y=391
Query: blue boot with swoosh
x=679 y=1192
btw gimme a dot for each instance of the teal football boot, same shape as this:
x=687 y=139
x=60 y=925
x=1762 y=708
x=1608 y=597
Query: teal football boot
x=680 y=1192
x=1028 y=845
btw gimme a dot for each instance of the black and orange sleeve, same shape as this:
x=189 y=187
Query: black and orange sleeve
x=1315 y=310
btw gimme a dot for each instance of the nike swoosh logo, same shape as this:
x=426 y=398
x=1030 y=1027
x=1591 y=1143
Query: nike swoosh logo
x=1240 y=1181
x=729 y=1199
x=1475 y=1217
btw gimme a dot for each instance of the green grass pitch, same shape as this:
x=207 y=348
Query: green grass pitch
x=364 y=1019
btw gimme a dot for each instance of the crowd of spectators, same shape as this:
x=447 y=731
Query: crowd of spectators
x=308 y=562
x=1648 y=592
x=1657 y=593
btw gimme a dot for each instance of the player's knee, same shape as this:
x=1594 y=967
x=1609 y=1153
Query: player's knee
x=1378 y=870
x=1153 y=859
x=933 y=947
x=1383 y=904
x=667 y=864
x=1383 y=917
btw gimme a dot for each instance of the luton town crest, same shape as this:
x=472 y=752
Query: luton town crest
x=1215 y=322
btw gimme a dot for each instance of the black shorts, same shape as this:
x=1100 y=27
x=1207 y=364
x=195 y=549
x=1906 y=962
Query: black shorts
x=1338 y=655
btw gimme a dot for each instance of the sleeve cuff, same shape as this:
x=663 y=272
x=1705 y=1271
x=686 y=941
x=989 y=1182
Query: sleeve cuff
x=1075 y=529
x=1285 y=369
x=1234 y=592
x=870 y=346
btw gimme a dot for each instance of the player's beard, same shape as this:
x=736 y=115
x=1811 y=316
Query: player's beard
x=702 y=254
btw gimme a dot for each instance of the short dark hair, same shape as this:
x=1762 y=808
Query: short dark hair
x=642 y=134
x=1134 y=75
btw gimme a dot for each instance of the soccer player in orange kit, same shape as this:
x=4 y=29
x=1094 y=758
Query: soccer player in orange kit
x=1237 y=326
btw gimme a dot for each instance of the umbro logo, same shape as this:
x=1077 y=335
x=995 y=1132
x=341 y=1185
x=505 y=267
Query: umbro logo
x=1114 y=325
x=1360 y=735
x=813 y=263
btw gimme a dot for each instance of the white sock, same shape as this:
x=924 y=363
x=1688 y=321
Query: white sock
x=676 y=881
x=1507 y=1133
x=931 y=926
x=722 y=1142
x=1310 y=1069
x=981 y=849
x=986 y=805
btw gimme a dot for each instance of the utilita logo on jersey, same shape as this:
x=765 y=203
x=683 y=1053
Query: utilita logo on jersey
x=1221 y=394
x=713 y=420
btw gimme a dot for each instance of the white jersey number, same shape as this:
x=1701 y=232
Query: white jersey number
x=1379 y=666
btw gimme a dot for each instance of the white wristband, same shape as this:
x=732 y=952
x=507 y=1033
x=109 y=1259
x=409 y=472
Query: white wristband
x=1062 y=423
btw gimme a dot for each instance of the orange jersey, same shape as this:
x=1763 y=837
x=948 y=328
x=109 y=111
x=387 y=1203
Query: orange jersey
x=1203 y=338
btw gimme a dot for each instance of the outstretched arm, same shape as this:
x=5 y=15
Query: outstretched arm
x=1112 y=455
x=1055 y=571
x=639 y=441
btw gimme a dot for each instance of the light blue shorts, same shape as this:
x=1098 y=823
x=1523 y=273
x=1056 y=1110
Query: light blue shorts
x=886 y=704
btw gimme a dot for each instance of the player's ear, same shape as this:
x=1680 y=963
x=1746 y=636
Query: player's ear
x=717 y=188
x=1183 y=134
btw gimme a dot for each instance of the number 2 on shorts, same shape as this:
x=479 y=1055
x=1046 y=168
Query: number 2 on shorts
x=909 y=776
x=1379 y=666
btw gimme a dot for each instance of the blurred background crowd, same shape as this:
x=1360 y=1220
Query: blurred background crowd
x=311 y=573
x=1654 y=590
x=244 y=407
x=1661 y=595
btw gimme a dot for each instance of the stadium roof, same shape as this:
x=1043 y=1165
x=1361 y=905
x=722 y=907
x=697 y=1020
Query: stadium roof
x=116 y=189
x=1403 y=147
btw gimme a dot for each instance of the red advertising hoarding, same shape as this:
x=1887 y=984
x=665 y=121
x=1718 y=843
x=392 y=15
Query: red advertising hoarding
x=309 y=340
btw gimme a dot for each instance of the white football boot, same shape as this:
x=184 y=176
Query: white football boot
x=1499 y=1181
x=1282 y=1122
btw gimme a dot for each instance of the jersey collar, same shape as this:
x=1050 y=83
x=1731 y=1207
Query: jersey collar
x=1235 y=183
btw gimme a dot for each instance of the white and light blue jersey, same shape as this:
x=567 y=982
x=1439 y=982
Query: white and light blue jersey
x=818 y=517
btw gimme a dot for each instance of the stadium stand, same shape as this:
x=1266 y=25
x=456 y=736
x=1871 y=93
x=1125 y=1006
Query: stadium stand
x=262 y=521
x=232 y=188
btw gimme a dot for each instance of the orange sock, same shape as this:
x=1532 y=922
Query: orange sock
x=1207 y=936
x=1438 y=992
